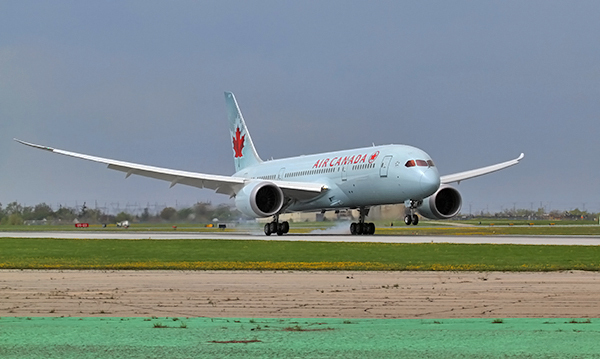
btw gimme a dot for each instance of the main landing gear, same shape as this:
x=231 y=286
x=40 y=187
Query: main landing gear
x=361 y=227
x=276 y=227
x=411 y=217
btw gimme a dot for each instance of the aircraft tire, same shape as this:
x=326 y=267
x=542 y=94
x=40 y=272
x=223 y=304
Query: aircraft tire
x=268 y=229
x=415 y=219
x=273 y=227
x=353 y=228
x=371 y=228
x=408 y=219
x=285 y=227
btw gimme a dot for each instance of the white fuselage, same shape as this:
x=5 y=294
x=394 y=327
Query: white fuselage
x=354 y=178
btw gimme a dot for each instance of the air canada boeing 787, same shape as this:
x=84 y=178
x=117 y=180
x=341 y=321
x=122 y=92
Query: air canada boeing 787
x=352 y=179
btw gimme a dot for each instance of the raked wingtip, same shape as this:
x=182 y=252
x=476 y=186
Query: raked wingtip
x=34 y=145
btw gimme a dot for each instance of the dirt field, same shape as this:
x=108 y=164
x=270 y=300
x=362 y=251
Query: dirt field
x=299 y=294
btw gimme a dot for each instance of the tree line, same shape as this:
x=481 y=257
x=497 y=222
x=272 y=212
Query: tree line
x=16 y=214
x=539 y=214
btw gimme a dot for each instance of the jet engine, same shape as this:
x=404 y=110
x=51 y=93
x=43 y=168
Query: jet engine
x=443 y=204
x=259 y=199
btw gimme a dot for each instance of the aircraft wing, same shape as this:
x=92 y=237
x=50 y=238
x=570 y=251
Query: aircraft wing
x=461 y=176
x=221 y=184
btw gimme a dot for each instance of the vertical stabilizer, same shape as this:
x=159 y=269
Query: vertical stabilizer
x=244 y=153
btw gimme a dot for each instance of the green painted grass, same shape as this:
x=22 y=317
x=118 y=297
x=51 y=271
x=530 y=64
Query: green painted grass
x=31 y=253
x=296 y=338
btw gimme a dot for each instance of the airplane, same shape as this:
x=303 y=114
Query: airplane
x=358 y=178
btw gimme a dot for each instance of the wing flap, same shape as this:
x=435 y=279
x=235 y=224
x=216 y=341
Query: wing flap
x=301 y=191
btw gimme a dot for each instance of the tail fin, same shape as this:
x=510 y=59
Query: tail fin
x=244 y=153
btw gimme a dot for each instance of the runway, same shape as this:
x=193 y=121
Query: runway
x=133 y=235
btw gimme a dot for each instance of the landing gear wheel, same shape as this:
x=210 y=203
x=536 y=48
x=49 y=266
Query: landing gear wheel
x=285 y=227
x=275 y=226
x=371 y=228
x=360 y=228
x=415 y=219
x=408 y=219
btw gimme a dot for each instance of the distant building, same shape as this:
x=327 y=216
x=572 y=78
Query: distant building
x=35 y=222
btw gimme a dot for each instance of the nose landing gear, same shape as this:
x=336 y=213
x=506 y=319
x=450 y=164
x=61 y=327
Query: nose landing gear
x=411 y=217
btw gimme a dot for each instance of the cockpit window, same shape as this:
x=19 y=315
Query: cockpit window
x=420 y=163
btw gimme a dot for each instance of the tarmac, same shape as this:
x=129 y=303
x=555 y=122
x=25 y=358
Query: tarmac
x=318 y=236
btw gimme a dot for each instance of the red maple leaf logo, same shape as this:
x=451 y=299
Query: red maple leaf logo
x=238 y=143
x=373 y=157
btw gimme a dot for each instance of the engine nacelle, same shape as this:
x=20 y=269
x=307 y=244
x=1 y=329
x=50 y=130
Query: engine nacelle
x=443 y=204
x=259 y=199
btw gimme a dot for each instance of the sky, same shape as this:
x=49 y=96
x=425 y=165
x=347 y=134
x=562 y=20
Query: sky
x=472 y=83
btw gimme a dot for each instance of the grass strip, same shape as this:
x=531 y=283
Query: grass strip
x=34 y=253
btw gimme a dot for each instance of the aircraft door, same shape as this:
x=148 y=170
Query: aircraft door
x=385 y=165
x=345 y=172
x=281 y=174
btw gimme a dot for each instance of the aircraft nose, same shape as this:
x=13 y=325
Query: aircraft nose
x=430 y=181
